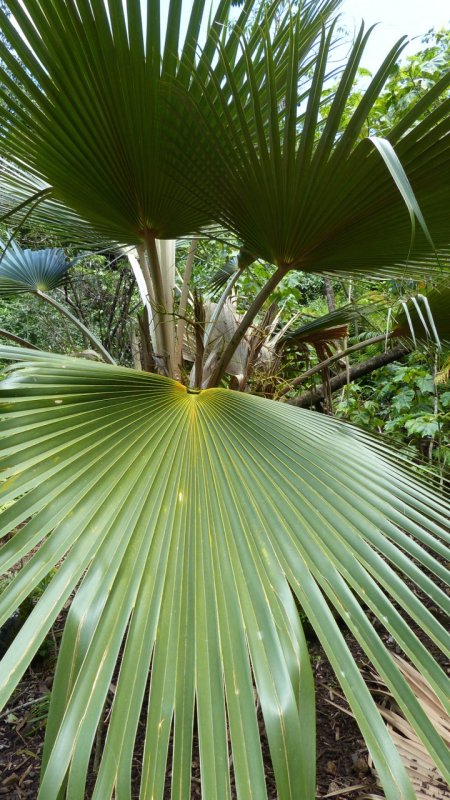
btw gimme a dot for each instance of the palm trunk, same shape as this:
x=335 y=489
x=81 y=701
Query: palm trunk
x=162 y=318
x=329 y=294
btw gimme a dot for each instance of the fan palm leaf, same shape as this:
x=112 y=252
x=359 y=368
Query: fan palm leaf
x=92 y=126
x=304 y=192
x=98 y=106
x=222 y=275
x=31 y=270
x=40 y=271
x=24 y=195
x=188 y=519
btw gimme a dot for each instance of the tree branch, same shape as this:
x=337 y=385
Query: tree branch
x=340 y=354
x=17 y=339
x=315 y=396
x=182 y=307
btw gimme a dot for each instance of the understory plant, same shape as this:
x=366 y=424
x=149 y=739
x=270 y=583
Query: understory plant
x=190 y=520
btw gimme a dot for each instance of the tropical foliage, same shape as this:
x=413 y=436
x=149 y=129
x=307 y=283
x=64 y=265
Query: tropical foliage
x=187 y=520
x=405 y=402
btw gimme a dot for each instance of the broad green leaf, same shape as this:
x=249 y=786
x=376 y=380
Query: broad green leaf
x=403 y=399
x=424 y=425
x=187 y=519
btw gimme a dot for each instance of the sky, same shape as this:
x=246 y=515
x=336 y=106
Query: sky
x=395 y=18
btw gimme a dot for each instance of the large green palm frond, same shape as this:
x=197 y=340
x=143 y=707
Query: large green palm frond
x=311 y=193
x=188 y=520
x=26 y=197
x=31 y=270
x=99 y=107
x=85 y=108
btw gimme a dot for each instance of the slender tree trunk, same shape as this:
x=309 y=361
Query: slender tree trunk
x=329 y=294
x=199 y=317
x=135 y=349
x=148 y=363
x=162 y=320
x=181 y=327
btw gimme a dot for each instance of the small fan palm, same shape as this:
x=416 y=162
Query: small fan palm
x=31 y=270
x=40 y=271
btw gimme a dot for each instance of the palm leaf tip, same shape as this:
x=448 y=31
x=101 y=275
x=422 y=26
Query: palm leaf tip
x=330 y=326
